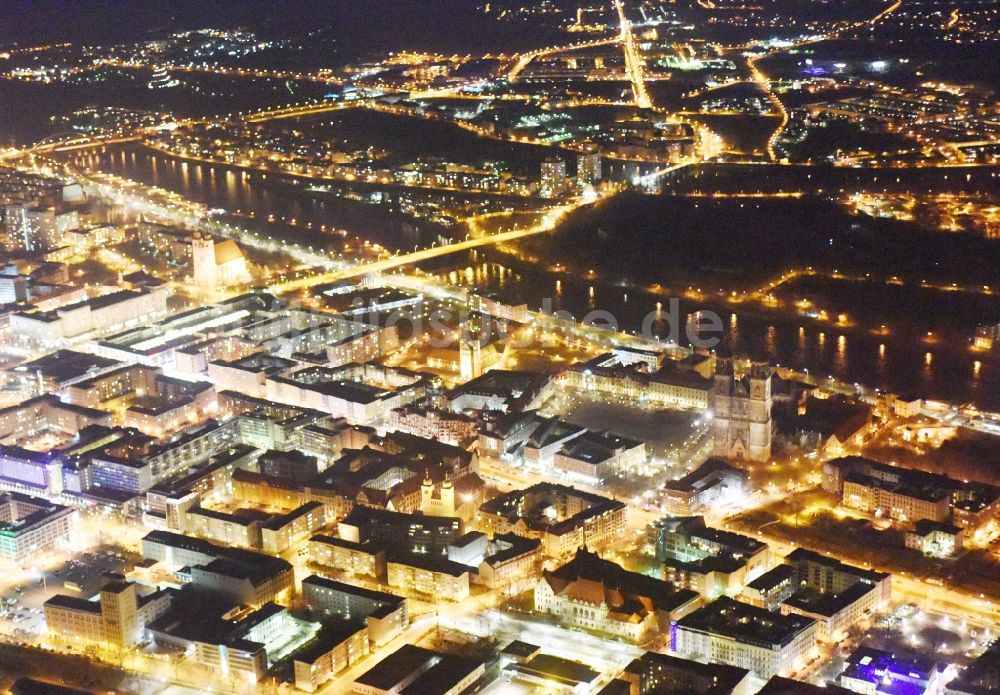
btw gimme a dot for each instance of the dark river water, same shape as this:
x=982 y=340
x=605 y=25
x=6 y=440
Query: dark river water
x=901 y=363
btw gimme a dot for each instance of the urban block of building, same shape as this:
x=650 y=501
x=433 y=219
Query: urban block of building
x=500 y=390
x=361 y=393
x=730 y=632
x=91 y=318
x=908 y=496
x=563 y=518
x=237 y=575
x=331 y=651
x=598 y=595
x=363 y=559
x=428 y=575
x=412 y=533
x=650 y=379
x=836 y=595
x=386 y=615
x=707 y=560
x=118 y=619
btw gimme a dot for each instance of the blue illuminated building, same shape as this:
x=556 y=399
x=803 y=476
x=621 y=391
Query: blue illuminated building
x=877 y=672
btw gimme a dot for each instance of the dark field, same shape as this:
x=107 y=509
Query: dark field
x=739 y=243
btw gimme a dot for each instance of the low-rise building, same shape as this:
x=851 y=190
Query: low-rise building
x=713 y=484
x=396 y=671
x=551 y=674
x=873 y=671
x=412 y=670
x=779 y=685
x=934 y=539
x=664 y=674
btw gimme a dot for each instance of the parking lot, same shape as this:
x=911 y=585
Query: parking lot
x=80 y=574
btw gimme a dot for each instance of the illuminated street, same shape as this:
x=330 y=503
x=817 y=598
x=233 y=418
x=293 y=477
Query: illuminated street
x=499 y=347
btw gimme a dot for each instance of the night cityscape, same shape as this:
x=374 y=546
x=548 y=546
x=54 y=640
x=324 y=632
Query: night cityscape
x=400 y=347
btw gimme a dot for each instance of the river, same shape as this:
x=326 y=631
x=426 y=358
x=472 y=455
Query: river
x=901 y=363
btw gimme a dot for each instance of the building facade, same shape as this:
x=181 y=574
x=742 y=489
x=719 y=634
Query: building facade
x=742 y=427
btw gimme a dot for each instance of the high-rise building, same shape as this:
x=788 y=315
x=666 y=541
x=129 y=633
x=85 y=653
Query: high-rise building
x=41 y=228
x=553 y=182
x=13 y=285
x=588 y=166
x=741 y=410
x=161 y=79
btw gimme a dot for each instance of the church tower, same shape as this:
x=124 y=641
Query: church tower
x=426 y=493
x=204 y=270
x=447 y=498
x=760 y=424
x=721 y=405
x=742 y=427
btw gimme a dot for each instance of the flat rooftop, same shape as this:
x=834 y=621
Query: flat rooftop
x=786 y=686
x=745 y=623
x=442 y=677
x=397 y=666
x=553 y=668
x=334 y=585
x=64 y=365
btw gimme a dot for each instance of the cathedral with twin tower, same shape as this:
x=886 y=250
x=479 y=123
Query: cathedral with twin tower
x=741 y=411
